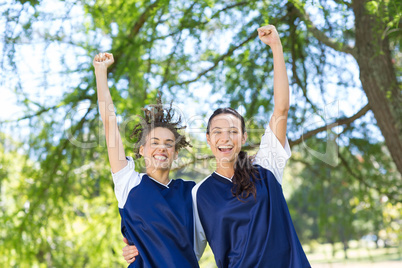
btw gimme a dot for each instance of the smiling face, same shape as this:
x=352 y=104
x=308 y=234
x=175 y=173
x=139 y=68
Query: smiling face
x=159 y=149
x=226 y=137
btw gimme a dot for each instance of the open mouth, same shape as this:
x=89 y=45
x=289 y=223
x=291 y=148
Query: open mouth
x=225 y=148
x=160 y=157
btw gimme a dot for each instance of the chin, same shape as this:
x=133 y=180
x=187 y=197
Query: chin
x=157 y=169
x=159 y=166
x=227 y=159
x=163 y=166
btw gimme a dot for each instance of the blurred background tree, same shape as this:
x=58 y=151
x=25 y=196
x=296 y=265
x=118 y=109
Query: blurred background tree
x=344 y=65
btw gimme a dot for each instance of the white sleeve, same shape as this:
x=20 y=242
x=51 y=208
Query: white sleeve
x=272 y=155
x=200 y=240
x=125 y=180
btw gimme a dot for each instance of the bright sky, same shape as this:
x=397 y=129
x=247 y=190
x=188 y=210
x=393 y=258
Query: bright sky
x=31 y=66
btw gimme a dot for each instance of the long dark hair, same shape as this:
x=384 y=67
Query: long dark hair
x=245 y=173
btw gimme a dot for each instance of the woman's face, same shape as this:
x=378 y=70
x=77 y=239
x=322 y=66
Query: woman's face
x=225 y=137
x=159 y=149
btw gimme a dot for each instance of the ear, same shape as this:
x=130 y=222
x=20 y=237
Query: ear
x=208 y=139
x=244 y=138
x=176 y=155
x=141 y=151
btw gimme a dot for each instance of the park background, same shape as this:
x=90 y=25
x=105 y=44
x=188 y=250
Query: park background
x=342 y=184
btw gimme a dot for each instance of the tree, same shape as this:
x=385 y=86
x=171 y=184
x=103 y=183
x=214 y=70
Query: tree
x=330 y=207
x=179 y=47
x=376 y=37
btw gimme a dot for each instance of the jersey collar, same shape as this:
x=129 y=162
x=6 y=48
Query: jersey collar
x=217 y=175
x=161 y=184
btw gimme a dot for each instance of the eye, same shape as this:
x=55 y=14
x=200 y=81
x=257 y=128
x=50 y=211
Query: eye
x=169 y=145
x=154 y=143
x=217 y=132
x=234 y=131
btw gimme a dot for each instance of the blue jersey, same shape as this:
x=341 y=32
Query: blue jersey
x=254 y=232
x=156 y=218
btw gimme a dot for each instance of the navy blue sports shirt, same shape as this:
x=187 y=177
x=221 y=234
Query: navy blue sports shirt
x=156 y=218
x=255 y=232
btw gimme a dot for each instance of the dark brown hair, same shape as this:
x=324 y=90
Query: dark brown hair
x=158 y=116
x=245 y=173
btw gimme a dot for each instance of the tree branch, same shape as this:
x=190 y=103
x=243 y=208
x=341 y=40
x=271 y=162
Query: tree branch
x=295 y=44
x=216 y=62
x=41 y=111
x=195 y=159
x=357 y=176
x=342 y=121
x=216 y=14
x=201 y=23
x=343 y=2
x=134 y=31
x=318 y=34
x=141 y=20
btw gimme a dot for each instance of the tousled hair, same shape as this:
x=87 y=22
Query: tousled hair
x=157 y=116
x=245 y=173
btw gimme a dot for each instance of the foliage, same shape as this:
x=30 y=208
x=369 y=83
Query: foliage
x=336 y=205
x=57 y=196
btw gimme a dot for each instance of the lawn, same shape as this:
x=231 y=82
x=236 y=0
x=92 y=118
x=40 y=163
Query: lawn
x=360 y=255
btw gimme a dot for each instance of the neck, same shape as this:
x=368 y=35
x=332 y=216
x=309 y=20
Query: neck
x=225 y=169
x=161 y=175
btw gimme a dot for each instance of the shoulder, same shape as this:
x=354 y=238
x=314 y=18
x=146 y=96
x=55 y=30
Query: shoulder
x=266 y=174
x=127 y=175
x=184 y=184
x=125 y=180
x=261 y=169
x=272 y=155
x=126 y=169
x=196 y=190
x=201 y=184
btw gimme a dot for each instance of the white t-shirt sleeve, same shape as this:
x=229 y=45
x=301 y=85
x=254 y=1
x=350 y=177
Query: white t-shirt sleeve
x=272 y=155
x=125 y=180
x=200 y=241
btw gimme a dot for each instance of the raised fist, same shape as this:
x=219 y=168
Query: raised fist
x=269 y=35
x=103 y=60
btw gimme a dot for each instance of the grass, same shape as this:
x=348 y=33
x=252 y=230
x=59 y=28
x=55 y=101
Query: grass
x=356 y=253
x=322 y=254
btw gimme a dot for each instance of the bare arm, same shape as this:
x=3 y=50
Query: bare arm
x=278 y=122
x=117 y=157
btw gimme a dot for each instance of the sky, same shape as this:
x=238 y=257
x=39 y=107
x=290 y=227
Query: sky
x=31 y=65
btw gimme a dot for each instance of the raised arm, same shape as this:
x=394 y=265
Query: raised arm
x=278 y=122
x=117 y=157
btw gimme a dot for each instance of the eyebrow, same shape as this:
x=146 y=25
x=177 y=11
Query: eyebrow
x=169 y=140
x=221 y=128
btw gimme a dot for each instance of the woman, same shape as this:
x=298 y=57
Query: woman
x=241 y=211
x=156 y=211
x=240 y=208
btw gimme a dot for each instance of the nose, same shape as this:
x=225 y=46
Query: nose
x=226 y=135
x=162 y=148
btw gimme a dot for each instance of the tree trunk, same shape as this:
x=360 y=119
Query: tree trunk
x=345 y=248
x=378 y=78
x=333 y=249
